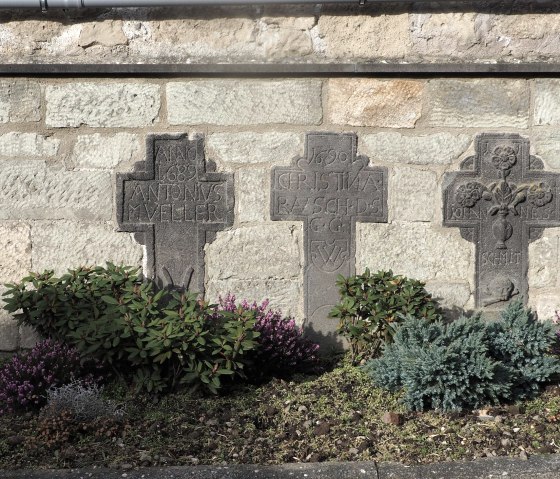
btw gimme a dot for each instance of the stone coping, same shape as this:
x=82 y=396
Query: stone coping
x=285 y=69
x=537 y=467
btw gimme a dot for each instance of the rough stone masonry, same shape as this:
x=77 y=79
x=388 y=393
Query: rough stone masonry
x=64 y=139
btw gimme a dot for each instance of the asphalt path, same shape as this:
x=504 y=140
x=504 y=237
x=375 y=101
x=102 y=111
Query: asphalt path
x=536 y=467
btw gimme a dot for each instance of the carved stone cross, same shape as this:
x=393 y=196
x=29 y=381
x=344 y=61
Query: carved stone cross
x=501 y=200
x=329 y=189
x=175 y=204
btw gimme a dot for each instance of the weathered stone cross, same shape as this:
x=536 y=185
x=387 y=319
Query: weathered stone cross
x=175 y=206
x=501 y=200
x=329 y=189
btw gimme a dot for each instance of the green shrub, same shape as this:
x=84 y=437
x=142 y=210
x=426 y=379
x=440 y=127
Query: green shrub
x=468 y=363
x=440 y=367
x=157 y=339
x=522 y=344
x=373 y=304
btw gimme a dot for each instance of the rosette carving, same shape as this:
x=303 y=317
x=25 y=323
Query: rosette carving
x=468 y=194
x=539 y=194
x=504 y=157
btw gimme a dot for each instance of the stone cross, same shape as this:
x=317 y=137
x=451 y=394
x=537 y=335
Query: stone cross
x=501 y=200
x=329 y=189
x=175 y=203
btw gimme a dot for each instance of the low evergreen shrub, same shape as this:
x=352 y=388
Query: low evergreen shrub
x=283 y=349
x=83 y=401
x=158 y=340
x=26 y=378
x=468 y=363
x=372 y=305
x=522 y=344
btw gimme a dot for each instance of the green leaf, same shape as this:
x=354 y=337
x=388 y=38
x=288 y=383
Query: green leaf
x=109 y=300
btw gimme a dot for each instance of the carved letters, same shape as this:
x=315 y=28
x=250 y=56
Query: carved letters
x=329 y=189
x=501 y=200
x=175 y=206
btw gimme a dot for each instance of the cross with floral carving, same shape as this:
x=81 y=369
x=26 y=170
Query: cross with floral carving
x=501 y=200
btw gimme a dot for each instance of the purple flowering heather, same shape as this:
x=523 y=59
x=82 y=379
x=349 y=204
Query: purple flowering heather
x=283 y=348
x=25 y=379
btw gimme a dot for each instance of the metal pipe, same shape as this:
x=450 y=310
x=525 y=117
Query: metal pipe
x=47 y=4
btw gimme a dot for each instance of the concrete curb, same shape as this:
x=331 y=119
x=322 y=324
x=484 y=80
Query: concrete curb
x=537 y=467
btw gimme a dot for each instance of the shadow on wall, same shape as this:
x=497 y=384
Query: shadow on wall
x=69 y=16
x=455 y=312
x=330 y=342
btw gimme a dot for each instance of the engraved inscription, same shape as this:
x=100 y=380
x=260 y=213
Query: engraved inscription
x=166 y=203
x=174 y=202
x=501 y=200
x=329 y=189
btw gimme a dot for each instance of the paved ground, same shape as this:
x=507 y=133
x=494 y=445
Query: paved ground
x=538 y=467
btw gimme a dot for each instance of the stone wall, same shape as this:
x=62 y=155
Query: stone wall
x=467 y=31
x=63 y=139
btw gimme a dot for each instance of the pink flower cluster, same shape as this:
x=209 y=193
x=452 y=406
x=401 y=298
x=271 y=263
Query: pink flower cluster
x=283 y=347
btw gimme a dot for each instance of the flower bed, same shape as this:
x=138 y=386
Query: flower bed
x=188 y=383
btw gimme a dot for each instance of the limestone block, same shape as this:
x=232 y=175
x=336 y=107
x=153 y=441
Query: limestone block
x=543 y=260
x=223 y=37
x=102 y=104
x=62 y=245
x=28 y=337
x=364 y=36
x=447 y=34
x=529 y=36
x=546 y=145
x=15 y=244
x=24 y=37
x=20 y=101
x=285 y=295
x=528 y=26
x=495 y=103
x=65 y=44
x=450 y=295
x=104 y=151
x=15 y=144
x=244 y=102
x=545 y=302
x=202 y=38
x=436 y=149
x=277 y=148
x=283 y=37
x=372 y=102
x=252 y=192
x=264 y=251
x=414 y=194
x=31 y=190
x=9 y=333
x=416 y=250
x=547 y=101
x=28 y=31
x=108 y=33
